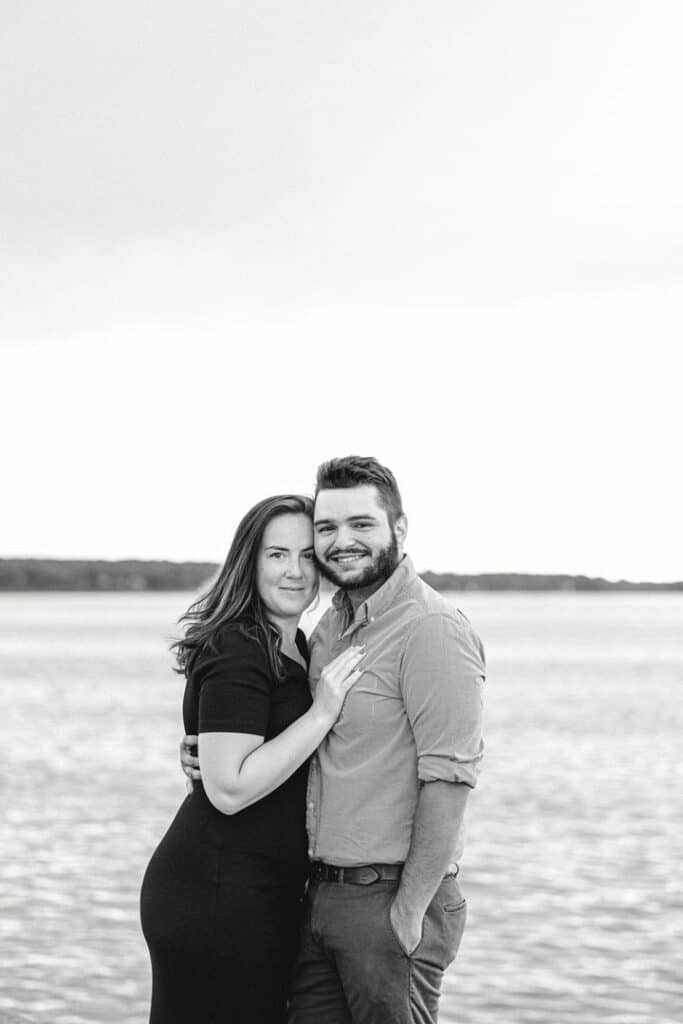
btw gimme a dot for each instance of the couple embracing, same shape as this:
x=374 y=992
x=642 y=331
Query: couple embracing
x=310 y=874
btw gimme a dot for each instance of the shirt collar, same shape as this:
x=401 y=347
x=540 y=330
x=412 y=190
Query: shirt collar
x=381 y=599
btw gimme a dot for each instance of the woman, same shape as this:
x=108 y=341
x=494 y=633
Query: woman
x=221 y=897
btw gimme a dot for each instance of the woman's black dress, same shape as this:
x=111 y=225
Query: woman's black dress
x=221 y=897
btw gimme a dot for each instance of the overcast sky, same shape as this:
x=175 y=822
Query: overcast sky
x=237 y=239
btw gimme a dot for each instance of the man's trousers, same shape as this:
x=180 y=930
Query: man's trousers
x=351 y=968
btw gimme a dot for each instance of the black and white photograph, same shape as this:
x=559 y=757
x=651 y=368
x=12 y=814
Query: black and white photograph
x=341 y=580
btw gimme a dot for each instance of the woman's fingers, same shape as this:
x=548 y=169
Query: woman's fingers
x=350 y=654
x=338 y=677
x=345 y=662
x=351 y=667
x=352 y=678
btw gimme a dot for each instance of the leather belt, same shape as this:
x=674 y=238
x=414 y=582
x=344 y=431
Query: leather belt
x=363 y=874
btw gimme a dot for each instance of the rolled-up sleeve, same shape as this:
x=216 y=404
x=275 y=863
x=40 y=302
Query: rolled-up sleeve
x=441 y=679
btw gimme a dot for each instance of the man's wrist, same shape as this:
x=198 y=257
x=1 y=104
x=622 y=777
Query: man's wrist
x=407 y=908
x=407 y=927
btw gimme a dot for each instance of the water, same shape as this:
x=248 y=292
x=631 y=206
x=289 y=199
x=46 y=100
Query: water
x=572 y=865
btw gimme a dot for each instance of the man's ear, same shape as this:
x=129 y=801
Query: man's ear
x=401 y=529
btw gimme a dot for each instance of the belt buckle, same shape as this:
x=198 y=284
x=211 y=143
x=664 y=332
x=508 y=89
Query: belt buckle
x=368 y=875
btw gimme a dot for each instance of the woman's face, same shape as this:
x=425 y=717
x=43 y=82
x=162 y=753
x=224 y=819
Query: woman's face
x=286 y=574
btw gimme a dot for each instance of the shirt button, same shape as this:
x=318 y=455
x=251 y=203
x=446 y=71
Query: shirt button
x=310 y=852
x=311 y=805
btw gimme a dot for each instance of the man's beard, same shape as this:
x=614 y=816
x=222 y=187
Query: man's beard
x=383 y=565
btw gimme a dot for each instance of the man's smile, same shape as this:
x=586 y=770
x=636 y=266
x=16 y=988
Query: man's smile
x=348 y=557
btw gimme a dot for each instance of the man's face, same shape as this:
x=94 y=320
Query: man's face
x=354 y=544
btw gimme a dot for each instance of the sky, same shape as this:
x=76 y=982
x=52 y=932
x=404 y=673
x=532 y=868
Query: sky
x=236 y=240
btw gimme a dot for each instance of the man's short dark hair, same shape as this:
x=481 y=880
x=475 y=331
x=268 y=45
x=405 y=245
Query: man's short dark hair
x=357 y=471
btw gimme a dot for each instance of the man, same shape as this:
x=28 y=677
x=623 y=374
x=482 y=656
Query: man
x=388 y=785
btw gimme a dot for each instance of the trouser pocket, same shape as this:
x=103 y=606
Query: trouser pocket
x=442 y=927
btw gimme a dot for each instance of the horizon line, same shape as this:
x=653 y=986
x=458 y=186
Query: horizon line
x=421 y=572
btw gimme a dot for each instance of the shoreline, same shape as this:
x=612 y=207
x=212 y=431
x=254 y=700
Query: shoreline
x=45 y=575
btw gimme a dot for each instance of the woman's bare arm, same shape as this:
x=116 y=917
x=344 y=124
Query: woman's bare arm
x=237 y=769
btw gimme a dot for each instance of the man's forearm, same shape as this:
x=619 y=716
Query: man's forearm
x=438 y=817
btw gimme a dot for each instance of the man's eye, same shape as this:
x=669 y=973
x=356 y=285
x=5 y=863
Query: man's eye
x=362 y=526
x=323 y=529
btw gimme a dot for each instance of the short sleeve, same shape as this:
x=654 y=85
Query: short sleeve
x=441 y=682
x=235 y=686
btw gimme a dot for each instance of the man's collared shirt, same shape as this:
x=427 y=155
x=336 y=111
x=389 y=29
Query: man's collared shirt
x=413 y=717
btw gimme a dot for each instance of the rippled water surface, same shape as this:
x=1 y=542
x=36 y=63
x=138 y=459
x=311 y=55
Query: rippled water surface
x=573 y=861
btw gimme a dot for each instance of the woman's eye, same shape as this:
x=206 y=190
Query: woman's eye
x=309 y=556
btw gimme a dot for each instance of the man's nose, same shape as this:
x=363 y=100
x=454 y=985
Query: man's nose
x=344 y=538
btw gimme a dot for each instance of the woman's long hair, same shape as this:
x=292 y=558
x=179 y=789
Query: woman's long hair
x=234 y=595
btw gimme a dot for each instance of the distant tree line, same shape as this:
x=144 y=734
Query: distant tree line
x=56 y=574
x=529 y=581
